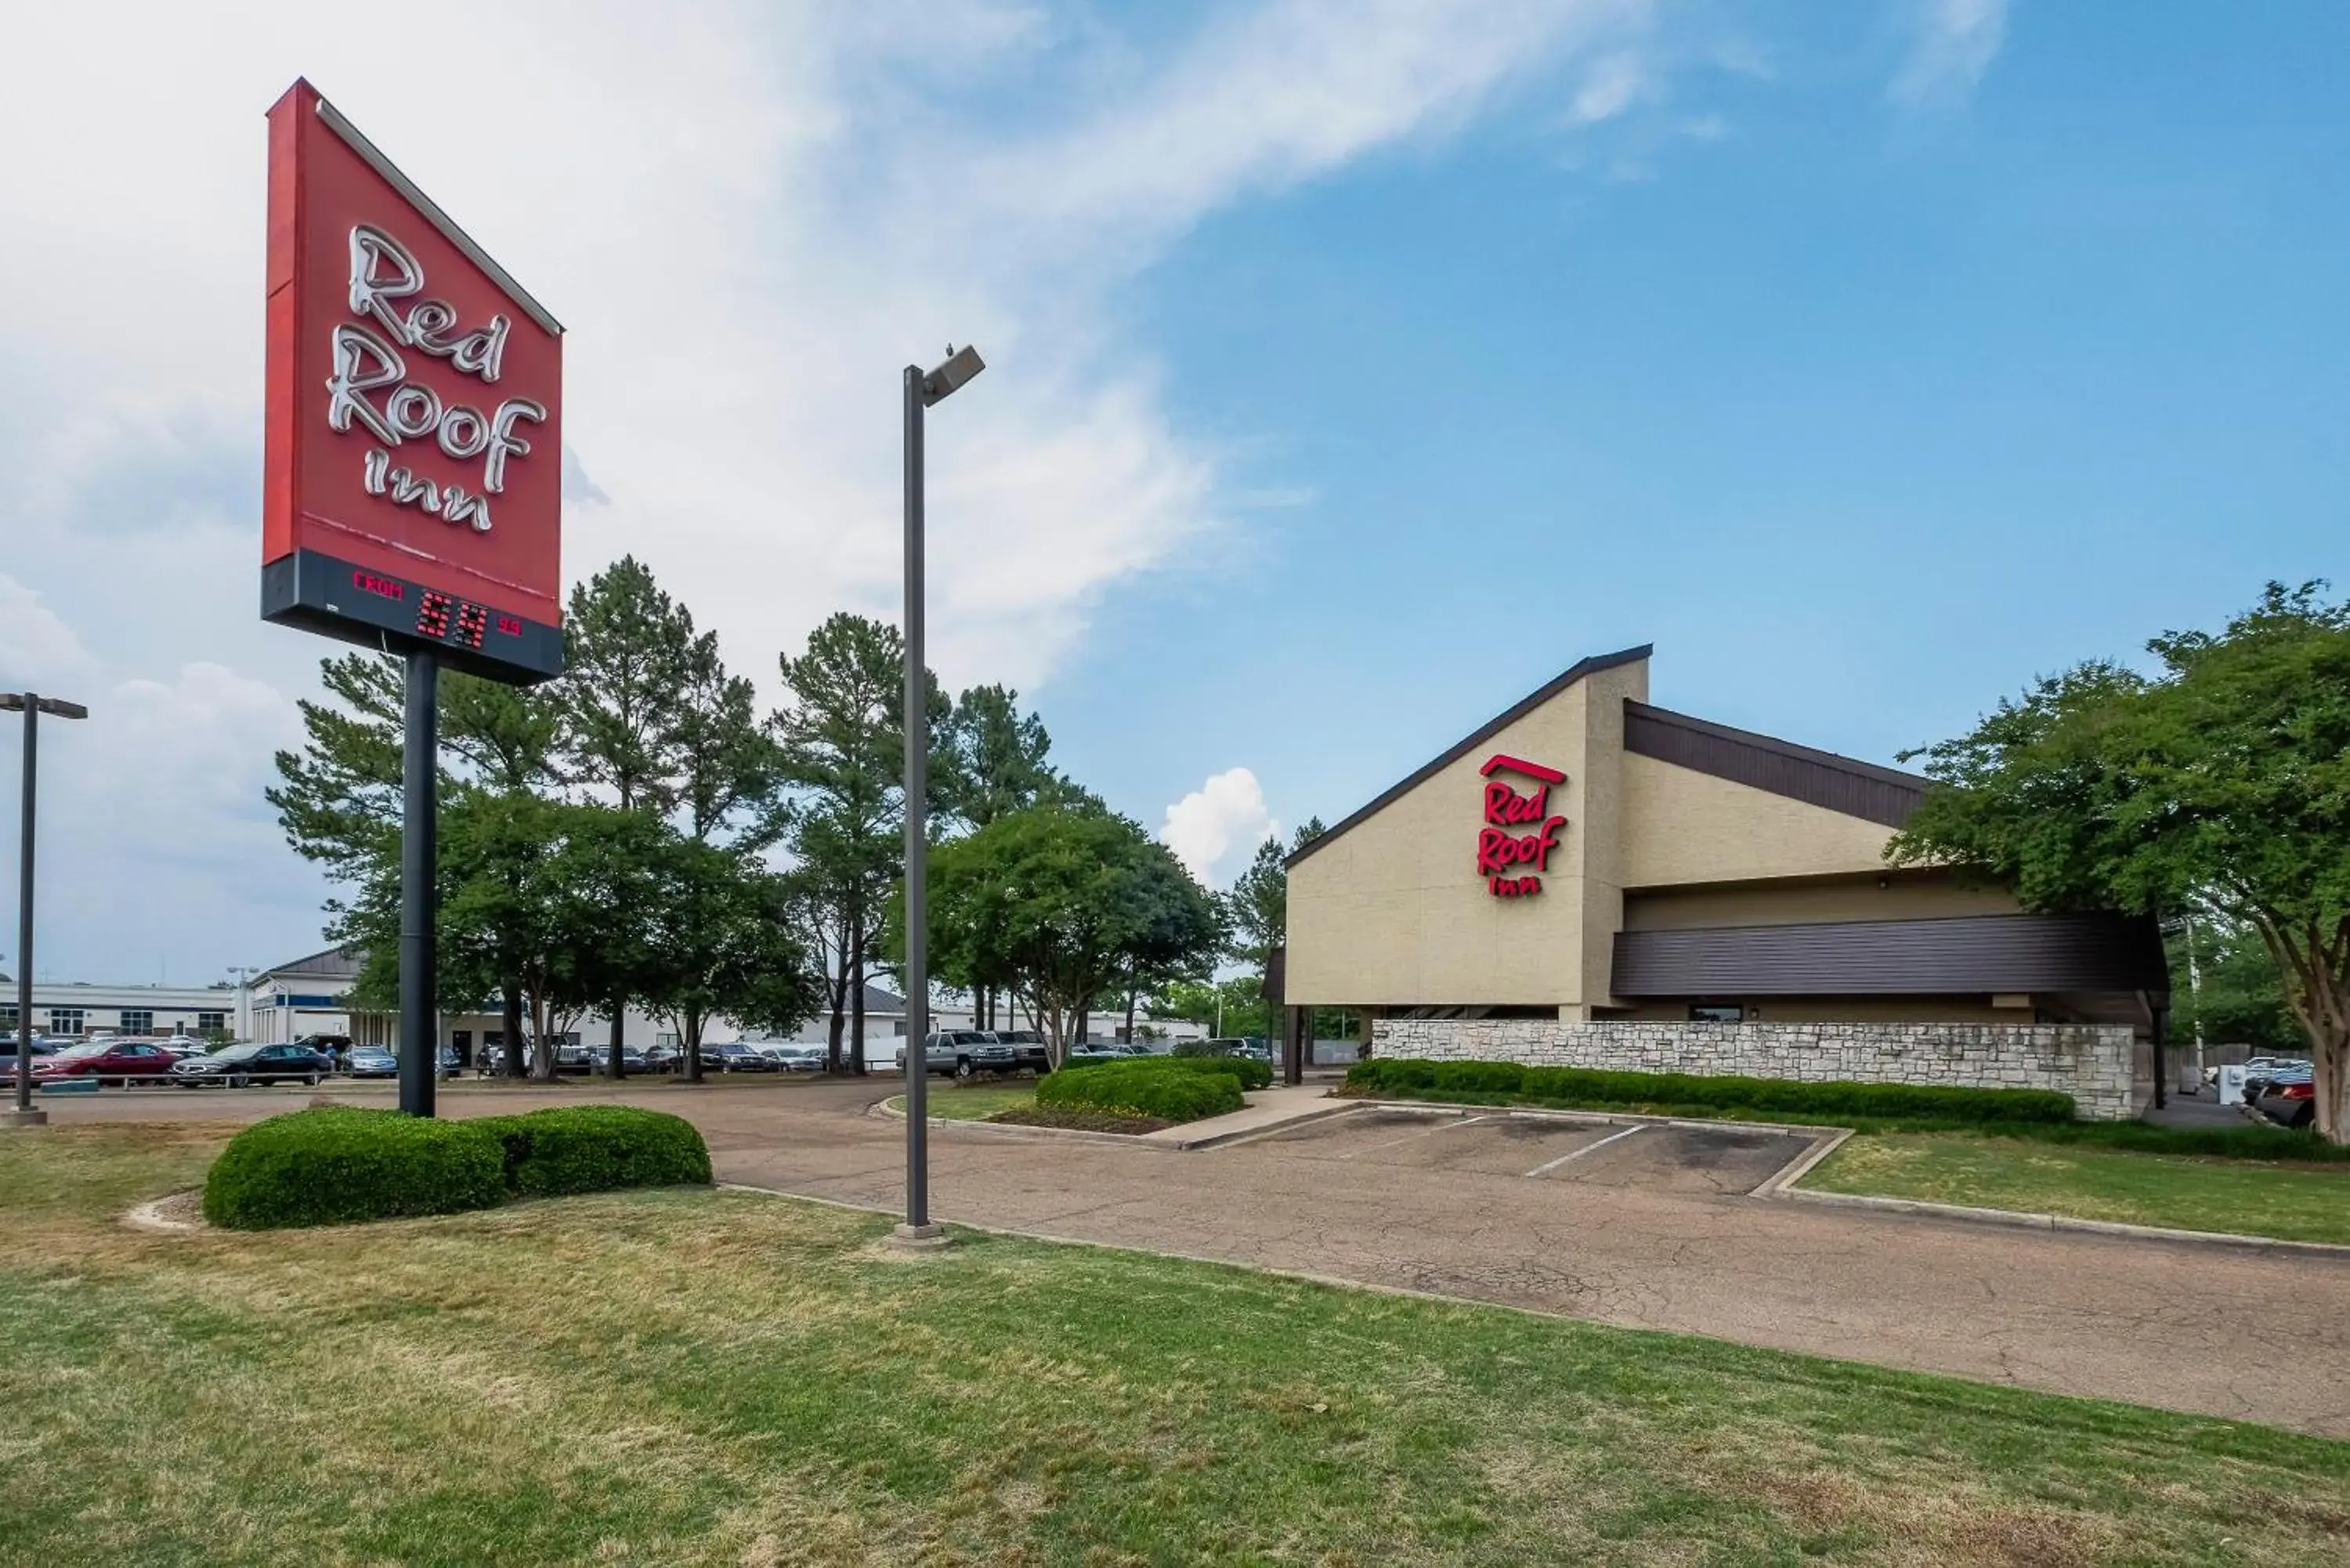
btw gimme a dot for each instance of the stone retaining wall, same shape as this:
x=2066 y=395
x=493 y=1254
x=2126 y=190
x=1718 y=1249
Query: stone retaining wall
x=2095 y=1064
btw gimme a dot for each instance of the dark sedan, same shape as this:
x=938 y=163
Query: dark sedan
x=237 y=1066
x=736 y=1057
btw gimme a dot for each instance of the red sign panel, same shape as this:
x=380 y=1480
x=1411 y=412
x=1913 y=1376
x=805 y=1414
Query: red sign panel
x=413 y=436
x=1511 y=860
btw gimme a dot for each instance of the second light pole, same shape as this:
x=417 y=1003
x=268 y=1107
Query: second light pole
x=923 y=388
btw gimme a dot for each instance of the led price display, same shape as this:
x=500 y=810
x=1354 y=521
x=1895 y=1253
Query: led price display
x=432 y=620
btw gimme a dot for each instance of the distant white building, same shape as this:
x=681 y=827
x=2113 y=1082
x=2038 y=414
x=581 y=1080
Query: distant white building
x=80 y=1008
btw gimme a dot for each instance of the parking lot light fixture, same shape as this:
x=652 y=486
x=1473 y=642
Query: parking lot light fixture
x=32 y=705
x=923 y=389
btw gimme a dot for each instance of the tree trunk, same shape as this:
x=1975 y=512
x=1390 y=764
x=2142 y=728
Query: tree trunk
x=839 y=1001
x=856 y=1007
x=513 y=1021
x=690 y=1025
x=542 y=1049
x=615 y=1066
x=1085 y=1010
x=1129 y=1015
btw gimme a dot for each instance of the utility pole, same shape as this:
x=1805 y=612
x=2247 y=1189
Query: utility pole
x=33 y=706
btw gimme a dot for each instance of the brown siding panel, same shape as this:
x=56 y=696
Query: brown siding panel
x=1780 y=767
x=1969 y=955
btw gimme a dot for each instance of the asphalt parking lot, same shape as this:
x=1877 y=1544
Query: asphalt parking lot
x=1667 y=1157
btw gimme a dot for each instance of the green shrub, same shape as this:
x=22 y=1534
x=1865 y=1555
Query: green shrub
x=339 y=1164
x=1151 y=1088
x=1252 y=1072
x=1700 y=1093
x=598 y=1148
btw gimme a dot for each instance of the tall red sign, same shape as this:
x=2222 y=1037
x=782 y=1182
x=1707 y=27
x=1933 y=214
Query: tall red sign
x=412 y=488
x=1513 y=847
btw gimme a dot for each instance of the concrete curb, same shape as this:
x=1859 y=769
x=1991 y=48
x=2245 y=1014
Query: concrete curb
x=1014 y=1132
x=1238 y=1136
x=2017 y=1219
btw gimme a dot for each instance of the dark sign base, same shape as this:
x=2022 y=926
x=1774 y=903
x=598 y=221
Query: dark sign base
x=374 y=609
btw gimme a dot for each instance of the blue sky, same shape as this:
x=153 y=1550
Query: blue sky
x=1862 y=411
x=1355 y=367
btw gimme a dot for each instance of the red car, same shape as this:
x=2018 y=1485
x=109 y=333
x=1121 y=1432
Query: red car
x=121 y=1060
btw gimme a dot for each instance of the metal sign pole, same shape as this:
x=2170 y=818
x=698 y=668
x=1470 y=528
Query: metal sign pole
x=420 y=1049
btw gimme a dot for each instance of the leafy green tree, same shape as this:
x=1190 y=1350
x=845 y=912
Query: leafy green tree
x=2223 y=781
x=990 y=764
x=629 y=651
x=718 y=945
x=1062 y=905
x=2226 y=991
x=843 y=757
x=1232 y=1006
x=339 y=799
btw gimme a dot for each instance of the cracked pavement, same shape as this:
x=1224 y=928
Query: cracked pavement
x=1652 y=1231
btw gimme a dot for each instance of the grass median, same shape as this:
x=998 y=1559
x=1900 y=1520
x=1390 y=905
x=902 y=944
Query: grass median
x=2292 y=1202
x=717 y=1376
x=973 y=1102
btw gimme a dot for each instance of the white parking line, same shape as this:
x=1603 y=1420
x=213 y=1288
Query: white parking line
x=1410 y=1135
x=1579 y=1153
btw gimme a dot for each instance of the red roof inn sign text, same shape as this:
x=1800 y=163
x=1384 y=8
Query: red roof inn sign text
x=1508 y=858
x=412 y=473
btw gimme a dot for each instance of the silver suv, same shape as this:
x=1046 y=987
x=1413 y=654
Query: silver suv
x=964 y=1052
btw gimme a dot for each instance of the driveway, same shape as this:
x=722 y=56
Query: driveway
x=1648 y=1231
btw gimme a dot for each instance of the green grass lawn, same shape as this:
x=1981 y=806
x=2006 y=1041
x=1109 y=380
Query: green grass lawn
x=690 y=1377
x=973 y=1102
x=2295 y=1203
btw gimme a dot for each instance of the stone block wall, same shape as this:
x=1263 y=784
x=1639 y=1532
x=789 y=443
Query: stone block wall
x=2095 y=1064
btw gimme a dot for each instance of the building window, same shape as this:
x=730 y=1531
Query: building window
x=65 y=1019
x=208 y=1022
x=669 y=1040
x=138 y=1020
x=1717 y=1012
x=7 y=1015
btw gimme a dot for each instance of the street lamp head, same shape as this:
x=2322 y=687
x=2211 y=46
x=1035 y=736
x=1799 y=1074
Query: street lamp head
x=961 y=365
x=14 y=702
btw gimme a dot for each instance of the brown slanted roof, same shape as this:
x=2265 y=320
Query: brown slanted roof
x=1781 y=767
x=1962 y=955
x=1476 y=738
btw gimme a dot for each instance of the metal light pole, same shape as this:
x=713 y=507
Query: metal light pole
x=33 y=706
x=922 y=390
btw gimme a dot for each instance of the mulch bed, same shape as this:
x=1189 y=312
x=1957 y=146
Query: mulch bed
x=1082 y=1119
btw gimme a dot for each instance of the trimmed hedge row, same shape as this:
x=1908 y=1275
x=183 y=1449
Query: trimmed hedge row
x=1694 y=1092
x=1252 y=1072
x=1171 y=1089
x=339 y=1164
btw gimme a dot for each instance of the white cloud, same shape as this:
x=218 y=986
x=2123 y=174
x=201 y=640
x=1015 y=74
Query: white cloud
x=37 y=649
x=749 y=217
x=1214 y=829
x=1953 y=44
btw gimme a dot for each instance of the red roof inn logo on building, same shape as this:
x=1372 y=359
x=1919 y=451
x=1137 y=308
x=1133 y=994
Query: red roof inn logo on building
x=1501 y=851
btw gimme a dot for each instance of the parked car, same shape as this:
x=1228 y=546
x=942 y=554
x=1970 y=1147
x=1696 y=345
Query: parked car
x=736 y=1057
x=1028 y=1049
x=237 y=1066
x=632 y=1059
x=1097 y=1051
x=115 y=1061
x=576 y=1056
x=793 y=1056
x=2263 y=1072
x=371 y=1062
x=966 y=1051
x=1253 y=1046
x=2288 y=1097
